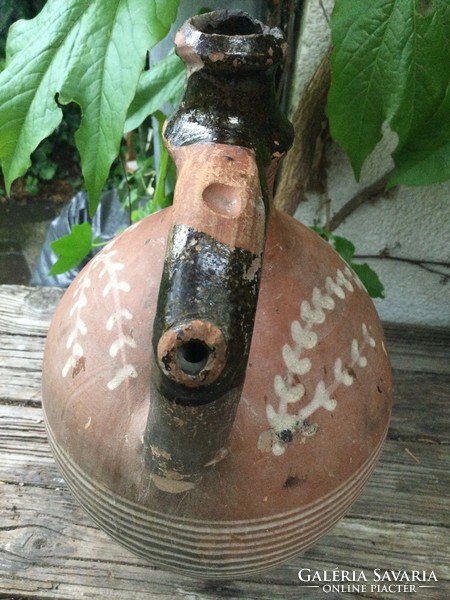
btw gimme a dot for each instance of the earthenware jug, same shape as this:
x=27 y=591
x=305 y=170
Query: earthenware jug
x=216 y=383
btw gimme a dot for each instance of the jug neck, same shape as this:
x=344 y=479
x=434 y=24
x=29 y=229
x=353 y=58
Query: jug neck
x=230 y=98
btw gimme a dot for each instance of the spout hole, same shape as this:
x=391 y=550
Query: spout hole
x=192 y=357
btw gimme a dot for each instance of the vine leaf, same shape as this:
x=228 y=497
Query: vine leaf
x=86 y=51
x=72 y=248
x=369 y=279
x=390 y=65
x=162 y=83
x=346 y=249
x=426 y=157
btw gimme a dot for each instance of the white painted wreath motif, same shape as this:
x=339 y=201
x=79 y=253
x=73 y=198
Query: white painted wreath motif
x=288 y=389
x=110 y=273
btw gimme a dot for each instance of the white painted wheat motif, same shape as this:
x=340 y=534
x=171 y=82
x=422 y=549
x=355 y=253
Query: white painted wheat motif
x=110 y=271
x=288 y=389
x=74 y=341
x=116 y=321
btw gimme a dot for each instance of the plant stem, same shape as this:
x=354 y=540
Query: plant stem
x=423 y=264
x=368 y=194
x=309 y=124
x=159 y=196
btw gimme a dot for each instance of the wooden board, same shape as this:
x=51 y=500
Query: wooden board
x=49 y=548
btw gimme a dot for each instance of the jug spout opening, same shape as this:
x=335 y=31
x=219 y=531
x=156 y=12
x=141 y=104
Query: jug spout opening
x=192 y=353
x=231 y=59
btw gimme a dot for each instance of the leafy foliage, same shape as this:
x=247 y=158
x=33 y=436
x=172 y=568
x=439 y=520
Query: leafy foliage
x=162 y=83
x=369 y=279
x=132 y=187
x=346 y=249
x=85 y=51
x=56 y=156
x=12 y=10
x=43 y=167
x=425 y=158
x=390 y=63
x=72 y=248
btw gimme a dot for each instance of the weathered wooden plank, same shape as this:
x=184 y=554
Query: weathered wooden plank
x=21 y=368
x=45 y=539
x=424 y=337
x=419 y=362
x=26 y=310
x=419 y=348
x=421 y=407
x=21 y=352
x=20 y=388
x=369 y=545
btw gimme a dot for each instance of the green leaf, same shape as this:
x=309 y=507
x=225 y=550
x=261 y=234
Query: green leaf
x=369 y=279
x=425 y=158
x=72 y=248
x=38 y=60
x=90 y=52
x=389 y=64
x=159 y=195
x=344 y=247
x=322 y=231
x=162 y=83
x=104 y=80
x=47 y=170
x=32 y=185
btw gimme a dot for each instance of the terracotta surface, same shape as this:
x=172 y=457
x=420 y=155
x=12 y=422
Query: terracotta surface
x=281 y=452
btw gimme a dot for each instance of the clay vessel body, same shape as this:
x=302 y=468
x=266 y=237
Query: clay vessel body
x=293 y=443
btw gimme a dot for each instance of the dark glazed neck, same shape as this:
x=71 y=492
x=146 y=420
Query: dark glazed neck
x=230 y=98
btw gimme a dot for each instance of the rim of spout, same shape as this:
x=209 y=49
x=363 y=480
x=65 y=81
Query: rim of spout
x=229 y=40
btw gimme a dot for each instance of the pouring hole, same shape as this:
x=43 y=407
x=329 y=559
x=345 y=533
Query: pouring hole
x=192 y=356
x=239 y=24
